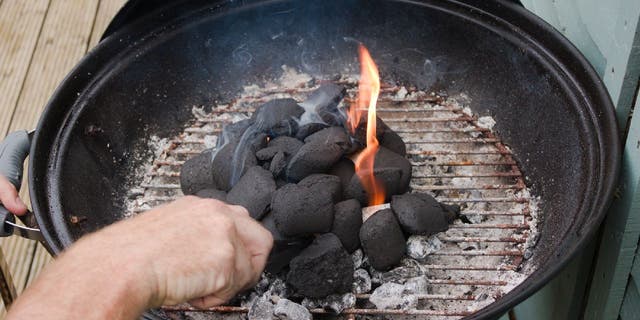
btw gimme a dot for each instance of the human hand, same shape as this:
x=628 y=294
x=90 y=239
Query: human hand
x=198 y=250
x=205 y=255
x=9 y=197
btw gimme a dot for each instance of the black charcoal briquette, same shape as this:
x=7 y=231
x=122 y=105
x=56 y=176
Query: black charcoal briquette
x=322 y=269
x=343 y=169
x=309 y=129
x=253 y=191
x=278 y=117
x=301 y=211
x=196 y=174
x=419 y=214
x=382 y=240
x=222 y=165
x=332 y=135
x=284 y=248
x=347 y=221
x=212 y=194
x=386 y=158
x=231 y=133
x=392 y=141
x=278 y=163
x=324 y=101
x=313 y=157
x=327 y=182
x=390 y=178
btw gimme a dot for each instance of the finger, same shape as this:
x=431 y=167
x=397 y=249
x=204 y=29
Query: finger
x=10 y=199
x=245 y=273
x=207 y=302
x=257 y=240
x=239 y=211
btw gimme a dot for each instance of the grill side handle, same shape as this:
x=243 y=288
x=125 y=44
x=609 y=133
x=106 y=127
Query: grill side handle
x=14 y=149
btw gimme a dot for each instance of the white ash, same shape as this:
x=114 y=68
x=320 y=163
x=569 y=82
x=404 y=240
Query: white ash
x=367 y=212
x=358 y=258
x=419 y=247
x=393 y=296
x=261 y=309
x=401 y=94
x=416 y=285
x=428 y=161
x=486 y=122
x=195 y=315
x=286 y=309
x=361 y=281
x=334 y=303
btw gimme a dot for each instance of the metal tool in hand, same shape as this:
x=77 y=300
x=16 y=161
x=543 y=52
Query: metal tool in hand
x=13 y=151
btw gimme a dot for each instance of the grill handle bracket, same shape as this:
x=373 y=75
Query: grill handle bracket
x=14 y=149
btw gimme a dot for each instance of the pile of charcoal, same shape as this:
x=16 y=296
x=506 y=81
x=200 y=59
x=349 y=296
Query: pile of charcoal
x=289 y=165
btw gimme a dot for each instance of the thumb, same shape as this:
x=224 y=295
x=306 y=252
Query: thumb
x=10 y=199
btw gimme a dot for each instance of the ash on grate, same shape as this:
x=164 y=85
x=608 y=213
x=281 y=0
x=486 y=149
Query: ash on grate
x=406 y=111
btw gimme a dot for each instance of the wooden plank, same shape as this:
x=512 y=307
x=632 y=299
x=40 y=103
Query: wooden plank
x=620 y=235
x=61 y=43
x=20 y=24
x=630 y=309
x=40 y=260
x=106 y=12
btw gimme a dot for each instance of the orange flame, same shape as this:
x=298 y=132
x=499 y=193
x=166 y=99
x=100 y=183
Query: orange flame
x=368 y=91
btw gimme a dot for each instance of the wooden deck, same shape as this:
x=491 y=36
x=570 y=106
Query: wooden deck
x=40 y=42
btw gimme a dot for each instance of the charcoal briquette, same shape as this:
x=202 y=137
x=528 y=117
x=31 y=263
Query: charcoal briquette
x=386 y=158
x=419 y=214
x=309 y=129
x=322 y=269
x=284 y=247
x=390 y=178
x=212 y=194
x=382 y=240
x=324 y=101
x=343 y=169
x=288 y=145
x=301 y=211
x=278 y=163
x=223 y=165
x=232 y=132
x=197 y=174
x=392 y=141
x=313 y=157
x=327 y=182
x=253 y=191
x=281 y=183
x=331 y=135
x=267 y=153
x=347 y=221
x=278 y=117
x=359 y=137
x=452 y=211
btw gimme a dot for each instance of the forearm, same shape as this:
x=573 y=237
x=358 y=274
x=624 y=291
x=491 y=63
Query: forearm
x=93 y=280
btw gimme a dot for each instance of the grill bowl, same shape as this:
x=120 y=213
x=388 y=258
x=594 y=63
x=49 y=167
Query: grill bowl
x=550 y=106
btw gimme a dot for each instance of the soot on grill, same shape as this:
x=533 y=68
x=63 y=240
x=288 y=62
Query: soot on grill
x=291 y=165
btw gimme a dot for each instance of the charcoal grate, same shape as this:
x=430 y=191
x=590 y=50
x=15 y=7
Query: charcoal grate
x=455 y=156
